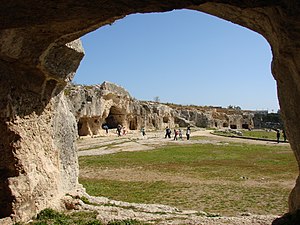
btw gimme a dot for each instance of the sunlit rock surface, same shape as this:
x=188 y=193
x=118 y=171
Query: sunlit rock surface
x=109 y=104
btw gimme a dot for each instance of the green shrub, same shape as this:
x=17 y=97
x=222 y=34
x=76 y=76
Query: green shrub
x=52 y=217
x=49 y=214
x=85 y=200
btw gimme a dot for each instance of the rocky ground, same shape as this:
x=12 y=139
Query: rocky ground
x=110 y=210
x=157 y=214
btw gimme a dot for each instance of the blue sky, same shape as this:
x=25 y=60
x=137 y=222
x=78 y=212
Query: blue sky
x=184 y=57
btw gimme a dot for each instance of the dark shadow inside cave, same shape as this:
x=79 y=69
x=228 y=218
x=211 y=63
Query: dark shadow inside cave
x=89 y=126
x=115 y=117
x=8 y=168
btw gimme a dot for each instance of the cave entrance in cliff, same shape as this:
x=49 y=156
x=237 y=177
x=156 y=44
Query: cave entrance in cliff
x=115 y=117
x=245 y=126
x=82 y=127
x=133 y=124
x=233 y=126
x=88 y=126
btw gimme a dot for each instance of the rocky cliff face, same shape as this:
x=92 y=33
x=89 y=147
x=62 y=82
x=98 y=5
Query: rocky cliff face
x=109 y=104
x=38 y=160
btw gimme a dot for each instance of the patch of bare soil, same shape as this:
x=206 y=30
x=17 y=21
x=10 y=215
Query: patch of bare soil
x=138 y=174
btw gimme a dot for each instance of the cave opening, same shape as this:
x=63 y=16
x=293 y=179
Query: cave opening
x=133 y=124
x=116 y=117
x=245 y=126
x=89 y=126
x=82 y=127
x=233 y=126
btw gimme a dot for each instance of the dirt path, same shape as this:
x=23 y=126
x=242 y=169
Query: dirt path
x=136 y=142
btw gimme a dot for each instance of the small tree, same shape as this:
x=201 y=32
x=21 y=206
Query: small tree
x=234 y=107
x=156 y=99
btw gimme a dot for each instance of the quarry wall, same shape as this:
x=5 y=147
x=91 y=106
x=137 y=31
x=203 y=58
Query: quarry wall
x=109 y=104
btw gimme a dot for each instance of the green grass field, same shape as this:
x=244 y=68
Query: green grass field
x=227 y=179
x=263 y=134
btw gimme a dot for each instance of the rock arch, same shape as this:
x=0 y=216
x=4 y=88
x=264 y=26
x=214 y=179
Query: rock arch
x=39 y=57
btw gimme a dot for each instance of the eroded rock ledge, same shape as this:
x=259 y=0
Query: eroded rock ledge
x=110 y=210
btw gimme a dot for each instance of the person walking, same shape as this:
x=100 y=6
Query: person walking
x=168 y=132
x=166 y=135
x=106 y=128
x=143 y=131
x=124 y=130
x=180 y=134
x=188 y=133
x=119 y=129
x=175 y=134
x=278 y=136
x=284 y=135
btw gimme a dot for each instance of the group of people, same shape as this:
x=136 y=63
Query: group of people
x=121 y=130
x=278 y=135
x=178 y=133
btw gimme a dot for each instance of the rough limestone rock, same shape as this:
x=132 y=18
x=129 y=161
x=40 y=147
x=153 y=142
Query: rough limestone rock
x=37 y=62
x=109 y=210
x=38 y=161
x=109 y=104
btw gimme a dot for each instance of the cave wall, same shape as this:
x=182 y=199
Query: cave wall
x=38 y=162
x=36 y=62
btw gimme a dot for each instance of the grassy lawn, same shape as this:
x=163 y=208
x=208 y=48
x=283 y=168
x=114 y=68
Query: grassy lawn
x=227 y=179
x=262 y=134
x=271 y=135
